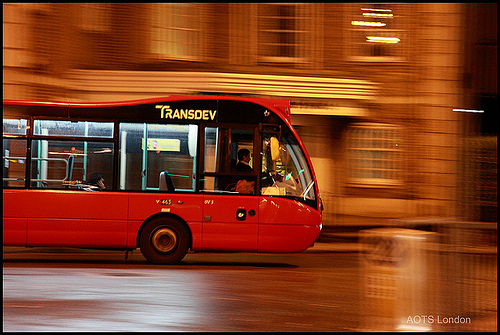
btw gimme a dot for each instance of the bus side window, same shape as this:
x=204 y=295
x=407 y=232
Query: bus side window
x=14 y=162
x=69 y=164
x=149 y=150
x=14 y=152
x=66 y=162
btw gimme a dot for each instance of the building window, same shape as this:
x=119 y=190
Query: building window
x=177 y=31
x=377 y=32
x=374 y=154
x=283 y=32
x=95 y=17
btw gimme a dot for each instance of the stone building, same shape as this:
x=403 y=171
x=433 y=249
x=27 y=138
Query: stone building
x=373 y=88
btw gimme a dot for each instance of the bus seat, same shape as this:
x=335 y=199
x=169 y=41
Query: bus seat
x=166 y=183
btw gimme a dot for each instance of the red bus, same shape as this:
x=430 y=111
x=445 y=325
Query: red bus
x=162 y=175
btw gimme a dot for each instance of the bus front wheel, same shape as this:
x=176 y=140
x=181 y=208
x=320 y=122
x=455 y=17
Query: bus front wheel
x=164 y=241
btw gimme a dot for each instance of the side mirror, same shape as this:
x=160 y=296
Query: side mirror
x=275 y=149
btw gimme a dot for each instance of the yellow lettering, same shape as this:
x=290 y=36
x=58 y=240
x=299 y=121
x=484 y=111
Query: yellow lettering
x=184 y=113
x=167 y=112
x=161 y=109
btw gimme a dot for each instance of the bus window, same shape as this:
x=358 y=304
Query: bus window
x=288 y=174
x=14 y=126
x=157 y=156
x=222 y=162
x=241 y=146
x=73 y=128
x=14 y=158
x=211 y=140
x=70 y=164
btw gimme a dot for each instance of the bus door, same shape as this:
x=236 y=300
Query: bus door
x=228 y=181
x=157 y=157
x=230 y=222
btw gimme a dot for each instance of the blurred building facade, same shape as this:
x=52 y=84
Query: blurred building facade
x=375 y=89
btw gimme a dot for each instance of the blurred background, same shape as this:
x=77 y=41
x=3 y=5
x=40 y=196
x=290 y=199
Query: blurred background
x=379 y=93
x=396 y=104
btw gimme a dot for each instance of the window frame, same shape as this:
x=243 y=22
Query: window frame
x=95 y=17
x=362 y=159
x=30 y=137
x=145 y=156
x=295 y=156
x=73 y=183
x=301 y=34
x=254 y=175
x=165 y=37
x=7 y=181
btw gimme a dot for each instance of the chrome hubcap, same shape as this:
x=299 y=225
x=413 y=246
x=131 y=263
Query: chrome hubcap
x=164 y=239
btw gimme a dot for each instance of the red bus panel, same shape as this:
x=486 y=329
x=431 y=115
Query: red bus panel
x=87 y=232
x=287 y=225
x=66 y=218
x=230 y=223
x=14 y=230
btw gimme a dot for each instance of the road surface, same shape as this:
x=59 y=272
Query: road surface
x=74 y=290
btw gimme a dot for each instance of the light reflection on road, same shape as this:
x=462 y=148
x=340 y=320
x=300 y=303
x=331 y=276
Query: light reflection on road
x=203 y=294
x=103 y=299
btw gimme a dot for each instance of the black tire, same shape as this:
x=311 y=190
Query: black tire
x=164 y=241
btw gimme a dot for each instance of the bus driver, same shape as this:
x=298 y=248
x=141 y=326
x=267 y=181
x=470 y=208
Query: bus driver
x=244 y=157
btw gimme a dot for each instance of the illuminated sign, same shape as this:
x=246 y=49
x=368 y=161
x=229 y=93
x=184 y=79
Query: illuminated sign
x=163 y=144
x=185 y=114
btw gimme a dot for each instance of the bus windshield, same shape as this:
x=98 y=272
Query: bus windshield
x=289 y=174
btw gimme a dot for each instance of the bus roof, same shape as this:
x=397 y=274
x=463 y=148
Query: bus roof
x=280 y=106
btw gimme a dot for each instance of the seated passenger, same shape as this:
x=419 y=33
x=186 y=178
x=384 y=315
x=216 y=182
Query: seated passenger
x=97 y=179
